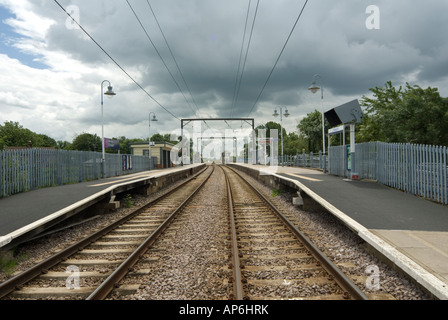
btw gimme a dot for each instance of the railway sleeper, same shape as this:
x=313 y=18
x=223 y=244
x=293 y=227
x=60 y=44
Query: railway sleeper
x=62 y=293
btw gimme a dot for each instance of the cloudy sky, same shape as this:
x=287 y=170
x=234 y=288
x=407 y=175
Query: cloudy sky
x=51 y=71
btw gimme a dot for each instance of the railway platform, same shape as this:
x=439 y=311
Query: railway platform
x=409 y=231
x=26 y=215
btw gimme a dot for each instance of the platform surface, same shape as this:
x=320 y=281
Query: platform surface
x=411 y=231
x=22 y=212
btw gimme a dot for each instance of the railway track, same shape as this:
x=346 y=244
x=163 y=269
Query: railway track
x=190 y=260
x=271 y=258
x=238 y=247
x=90 y=269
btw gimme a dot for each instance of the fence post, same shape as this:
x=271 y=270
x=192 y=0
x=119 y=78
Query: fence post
x=438 y=172
x=444 y=176
x=2 y=181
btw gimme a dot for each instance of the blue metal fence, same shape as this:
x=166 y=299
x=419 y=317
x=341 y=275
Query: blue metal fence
x=27 y=169
x=311 y=160
x=417 y=169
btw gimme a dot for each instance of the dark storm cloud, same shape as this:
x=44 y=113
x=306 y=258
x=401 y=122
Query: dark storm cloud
x=331 y=39
x=205 y=37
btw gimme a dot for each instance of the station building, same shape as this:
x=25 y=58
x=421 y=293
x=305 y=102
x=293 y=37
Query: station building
x=160 y=153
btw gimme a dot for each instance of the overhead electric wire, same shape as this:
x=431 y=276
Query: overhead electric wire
x=247 y=52
x=172 y=55
x=241 y=57
x=281 y=53
x=116 y=63
x=160 y=56
x=175 y=61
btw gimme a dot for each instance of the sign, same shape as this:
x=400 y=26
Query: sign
x=345 y=114
x=336 y=130
x=111 y=144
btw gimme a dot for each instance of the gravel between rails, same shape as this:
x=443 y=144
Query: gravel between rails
x=342 y=246
x=194 y=255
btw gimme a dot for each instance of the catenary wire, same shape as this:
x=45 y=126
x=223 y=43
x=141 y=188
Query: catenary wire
x=247 y=52
x=172 y=55
x=114 y=61
x=160 y=56
x=175 y=61
x=241 y=57
x=281 y=53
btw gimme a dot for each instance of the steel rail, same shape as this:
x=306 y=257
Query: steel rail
x=110 y=282
x=343 y=281
x=237 y=278
x=19 y=280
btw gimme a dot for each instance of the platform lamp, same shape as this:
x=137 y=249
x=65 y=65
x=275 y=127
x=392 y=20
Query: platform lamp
x=110 y=93
x=314 y=88
x=154 y=119
x=286 y=114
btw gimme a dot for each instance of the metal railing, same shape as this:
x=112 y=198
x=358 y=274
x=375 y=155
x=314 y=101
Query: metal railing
x=311 y=160
x=417 y=169
x=28 y=169
x=300 y=160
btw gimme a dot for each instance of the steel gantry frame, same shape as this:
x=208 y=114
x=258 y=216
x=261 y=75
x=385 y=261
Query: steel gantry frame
x=184 y=122
x=217 y=119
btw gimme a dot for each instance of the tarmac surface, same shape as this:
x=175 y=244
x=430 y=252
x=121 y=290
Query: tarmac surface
x=23 y=212
x=410 y=231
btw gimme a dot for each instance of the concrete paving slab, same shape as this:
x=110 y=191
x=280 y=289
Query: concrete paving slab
x=429 y=249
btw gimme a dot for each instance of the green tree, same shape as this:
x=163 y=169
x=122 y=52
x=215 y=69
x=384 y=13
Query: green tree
x=294 y=144
x=408 y=115
x=271 y=125
x=310 y=128
x=12 y=134
x=87 y=142
x=157 y=137
x=43 y=140
x=167 y=138
x=125 y=144
x=64 y=145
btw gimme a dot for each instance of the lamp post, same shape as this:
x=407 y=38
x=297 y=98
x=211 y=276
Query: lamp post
x=314 y=88
x=276 y=114
x=154 y=119
x=110 y=92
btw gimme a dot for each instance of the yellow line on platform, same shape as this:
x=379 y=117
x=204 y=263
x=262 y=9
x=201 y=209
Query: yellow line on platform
x=303 y=177
x=119 y=180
